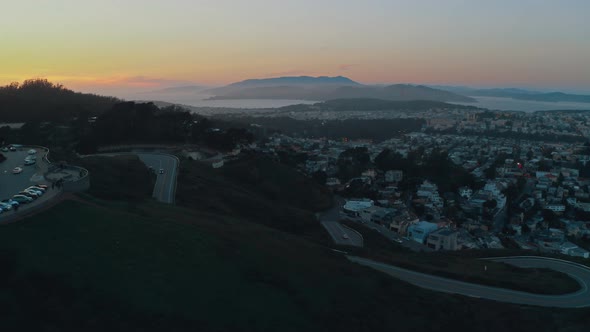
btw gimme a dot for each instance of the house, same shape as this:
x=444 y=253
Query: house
x=443 y=238
x=394 y=176
x=419 y=232
x=352 y=208
x=465 y=192
x=579 y=252
x=557 y=208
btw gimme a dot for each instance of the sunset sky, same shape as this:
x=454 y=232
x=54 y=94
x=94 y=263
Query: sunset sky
x=102 y=45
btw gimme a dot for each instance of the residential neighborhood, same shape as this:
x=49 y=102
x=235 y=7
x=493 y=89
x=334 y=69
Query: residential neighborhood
x=508 y=192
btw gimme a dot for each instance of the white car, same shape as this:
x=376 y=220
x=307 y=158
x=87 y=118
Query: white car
x=22 y=198
x=37 y=188
x=34 y=191
x=5 y=206
x=32 y=151
x=30 y=162
x=17 y=170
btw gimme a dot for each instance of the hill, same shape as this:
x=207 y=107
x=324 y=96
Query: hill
x=326 y=88
x=95 y=266
x=369 y=104
x=519 y=94
x=257 y=189
x=41 y=100
x=92 y=265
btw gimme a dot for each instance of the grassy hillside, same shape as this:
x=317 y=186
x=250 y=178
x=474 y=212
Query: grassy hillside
x=461 y=266
x=94 y=267
x=256 y=189
x=119 y=178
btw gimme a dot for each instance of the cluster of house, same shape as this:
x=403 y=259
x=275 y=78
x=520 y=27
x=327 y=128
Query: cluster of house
x=439 y=235
x=564 y=124
x=551 y=173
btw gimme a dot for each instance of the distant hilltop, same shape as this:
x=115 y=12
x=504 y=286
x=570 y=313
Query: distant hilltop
x=327 y=88
x=295 y=80
x=518 y=94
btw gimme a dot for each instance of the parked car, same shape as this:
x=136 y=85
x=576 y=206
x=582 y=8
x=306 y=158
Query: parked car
x=29 y=194
x=12 y=148
x=17 y=170
x=37 y=188
x=29 y=162
x=22 y=199
x=161 y=171
x=11 y=202
x=4 y=149
x=44 y=186
x=32 y=191
x=5 y=207
x=32 y=151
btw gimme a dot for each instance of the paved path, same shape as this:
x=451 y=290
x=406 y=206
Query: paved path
x=343 y=235
x=577 y=299
x=165 y=188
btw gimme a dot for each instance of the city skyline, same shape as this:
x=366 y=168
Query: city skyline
x=142 y=45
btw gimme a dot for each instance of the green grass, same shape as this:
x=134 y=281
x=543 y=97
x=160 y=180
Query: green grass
x=101 y=266
x=250 y=189
x=455 y=265
x=124 y=178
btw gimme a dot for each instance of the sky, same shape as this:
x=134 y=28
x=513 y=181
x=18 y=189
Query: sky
x=111 y=45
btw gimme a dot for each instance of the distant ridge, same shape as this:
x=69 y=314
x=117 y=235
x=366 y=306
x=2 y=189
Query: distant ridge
x=294 y=80
x=326 y=88
x=518 y=94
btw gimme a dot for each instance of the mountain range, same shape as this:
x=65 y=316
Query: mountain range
x=326 y=88
x=515 y=93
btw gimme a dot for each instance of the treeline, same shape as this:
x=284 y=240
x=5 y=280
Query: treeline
x=434 y=166
x=377 y=130
x=41 y=100
x=513 y=135
x=132 y=122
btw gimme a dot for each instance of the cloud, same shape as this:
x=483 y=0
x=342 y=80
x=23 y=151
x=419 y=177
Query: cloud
x=347 y=66
x=138 y=82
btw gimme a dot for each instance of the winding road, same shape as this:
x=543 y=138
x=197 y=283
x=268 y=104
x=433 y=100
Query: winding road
x=165 y=188
x=579 y=272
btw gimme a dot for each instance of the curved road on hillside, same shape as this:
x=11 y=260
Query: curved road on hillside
x=165 y=188
x=577 y=299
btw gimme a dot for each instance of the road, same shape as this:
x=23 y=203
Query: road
x=329 y=219
x=343 y=235
x=165 y=188
x=333 y=216
x=577 y=299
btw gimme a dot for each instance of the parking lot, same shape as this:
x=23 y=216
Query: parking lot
x=11 y=184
